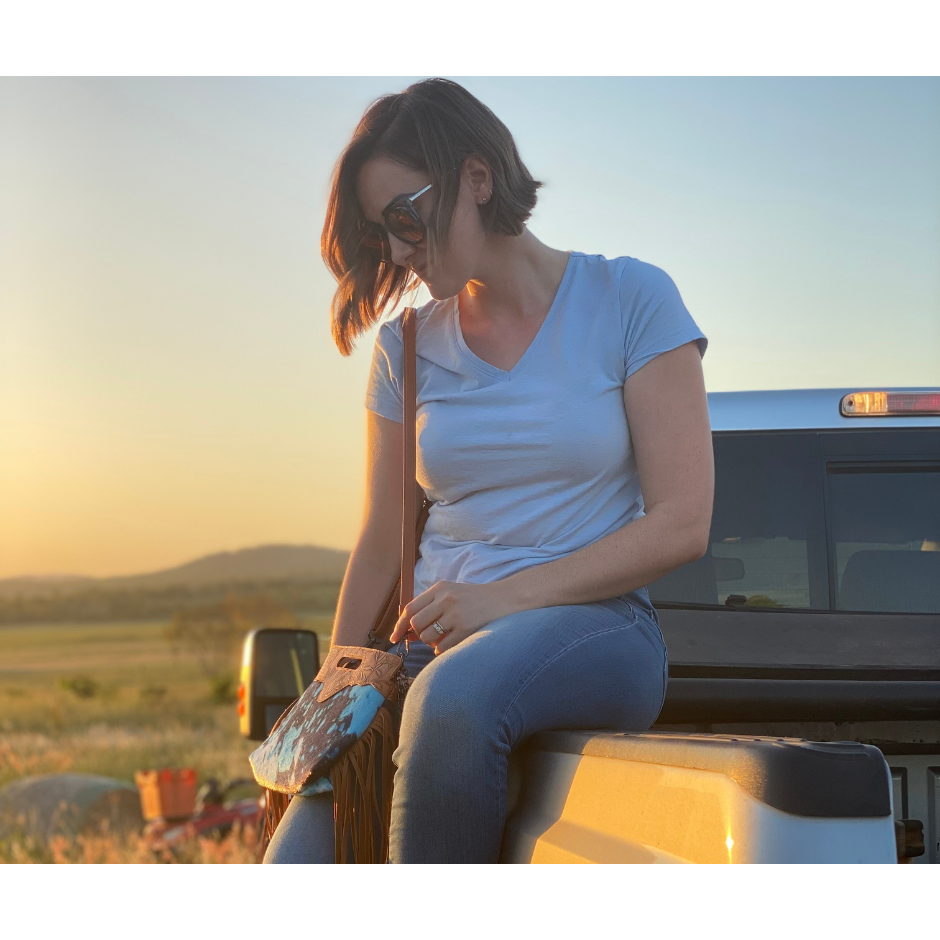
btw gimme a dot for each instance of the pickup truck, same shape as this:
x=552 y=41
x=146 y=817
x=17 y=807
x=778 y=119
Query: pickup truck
x=802 y=718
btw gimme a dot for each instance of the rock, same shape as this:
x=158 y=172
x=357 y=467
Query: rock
x=69 y=805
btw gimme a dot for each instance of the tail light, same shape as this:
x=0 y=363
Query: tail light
x=871 y=404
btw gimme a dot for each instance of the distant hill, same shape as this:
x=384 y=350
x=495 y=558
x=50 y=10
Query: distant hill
x=261 y=563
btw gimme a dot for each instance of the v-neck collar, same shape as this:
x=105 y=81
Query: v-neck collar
x=487 y=367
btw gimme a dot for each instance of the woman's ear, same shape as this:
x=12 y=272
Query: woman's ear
x=477 y=175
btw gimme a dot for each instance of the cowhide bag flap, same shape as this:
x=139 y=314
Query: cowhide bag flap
x=341 y=732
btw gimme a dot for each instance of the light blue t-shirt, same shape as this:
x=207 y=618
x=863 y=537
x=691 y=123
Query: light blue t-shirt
x=530 y=465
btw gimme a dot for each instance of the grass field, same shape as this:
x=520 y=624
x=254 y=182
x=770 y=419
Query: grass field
x=111 y=699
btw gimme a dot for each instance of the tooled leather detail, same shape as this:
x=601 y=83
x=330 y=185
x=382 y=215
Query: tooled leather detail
x=376 y=668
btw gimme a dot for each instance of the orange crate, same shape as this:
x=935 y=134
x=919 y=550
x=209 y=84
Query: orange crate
x=166 y=794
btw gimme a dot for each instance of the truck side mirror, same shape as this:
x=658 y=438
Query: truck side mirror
x=278 y=663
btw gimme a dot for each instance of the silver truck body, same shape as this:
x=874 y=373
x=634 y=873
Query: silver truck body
x=803 y=647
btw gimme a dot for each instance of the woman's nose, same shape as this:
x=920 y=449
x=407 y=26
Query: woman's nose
x=401 y=251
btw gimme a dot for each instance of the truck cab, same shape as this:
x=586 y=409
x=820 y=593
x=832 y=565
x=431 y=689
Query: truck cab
x=816 y=611
x=804 y=657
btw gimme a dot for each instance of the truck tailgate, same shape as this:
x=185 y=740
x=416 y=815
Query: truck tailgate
x=583 y=796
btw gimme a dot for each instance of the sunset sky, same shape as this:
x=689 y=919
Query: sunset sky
x=168 y=383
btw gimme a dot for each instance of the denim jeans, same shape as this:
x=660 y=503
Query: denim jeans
x=579 y=666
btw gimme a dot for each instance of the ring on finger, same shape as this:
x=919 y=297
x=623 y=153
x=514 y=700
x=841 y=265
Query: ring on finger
x=442 y=631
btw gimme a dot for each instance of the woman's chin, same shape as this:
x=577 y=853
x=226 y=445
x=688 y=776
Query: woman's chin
x=440 y=290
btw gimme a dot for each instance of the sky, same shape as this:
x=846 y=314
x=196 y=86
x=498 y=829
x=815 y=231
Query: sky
x=168 y=383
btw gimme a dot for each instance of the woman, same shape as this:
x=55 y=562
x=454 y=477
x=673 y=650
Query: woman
x=552 y=387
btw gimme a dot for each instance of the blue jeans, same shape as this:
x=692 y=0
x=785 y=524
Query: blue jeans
x=578 y=666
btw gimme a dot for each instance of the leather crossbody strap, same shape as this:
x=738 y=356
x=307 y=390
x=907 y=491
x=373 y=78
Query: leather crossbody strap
x=409 y=483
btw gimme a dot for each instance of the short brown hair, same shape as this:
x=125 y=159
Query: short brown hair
x=431 y=126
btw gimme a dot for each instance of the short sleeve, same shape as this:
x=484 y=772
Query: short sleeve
x=653 y=317
x=384 y=393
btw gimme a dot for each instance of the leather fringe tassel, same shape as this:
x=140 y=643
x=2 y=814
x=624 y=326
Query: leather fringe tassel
x=362 y=794
x=275 y=805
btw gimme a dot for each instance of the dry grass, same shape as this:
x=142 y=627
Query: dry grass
x=237 y=848
x=148 y=708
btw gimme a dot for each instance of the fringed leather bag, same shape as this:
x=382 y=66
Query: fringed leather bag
x=341 y=732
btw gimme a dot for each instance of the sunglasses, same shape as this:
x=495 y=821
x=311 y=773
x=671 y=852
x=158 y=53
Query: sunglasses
x=402 y=220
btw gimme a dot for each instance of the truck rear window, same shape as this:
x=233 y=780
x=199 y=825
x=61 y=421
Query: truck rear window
x=766 y=531
x=885 y=536
x=770 y=544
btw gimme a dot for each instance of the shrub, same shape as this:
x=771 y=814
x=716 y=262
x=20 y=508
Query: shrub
x=762 y=600
x=82 y=686
x=222 y=688
x=213 y=633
